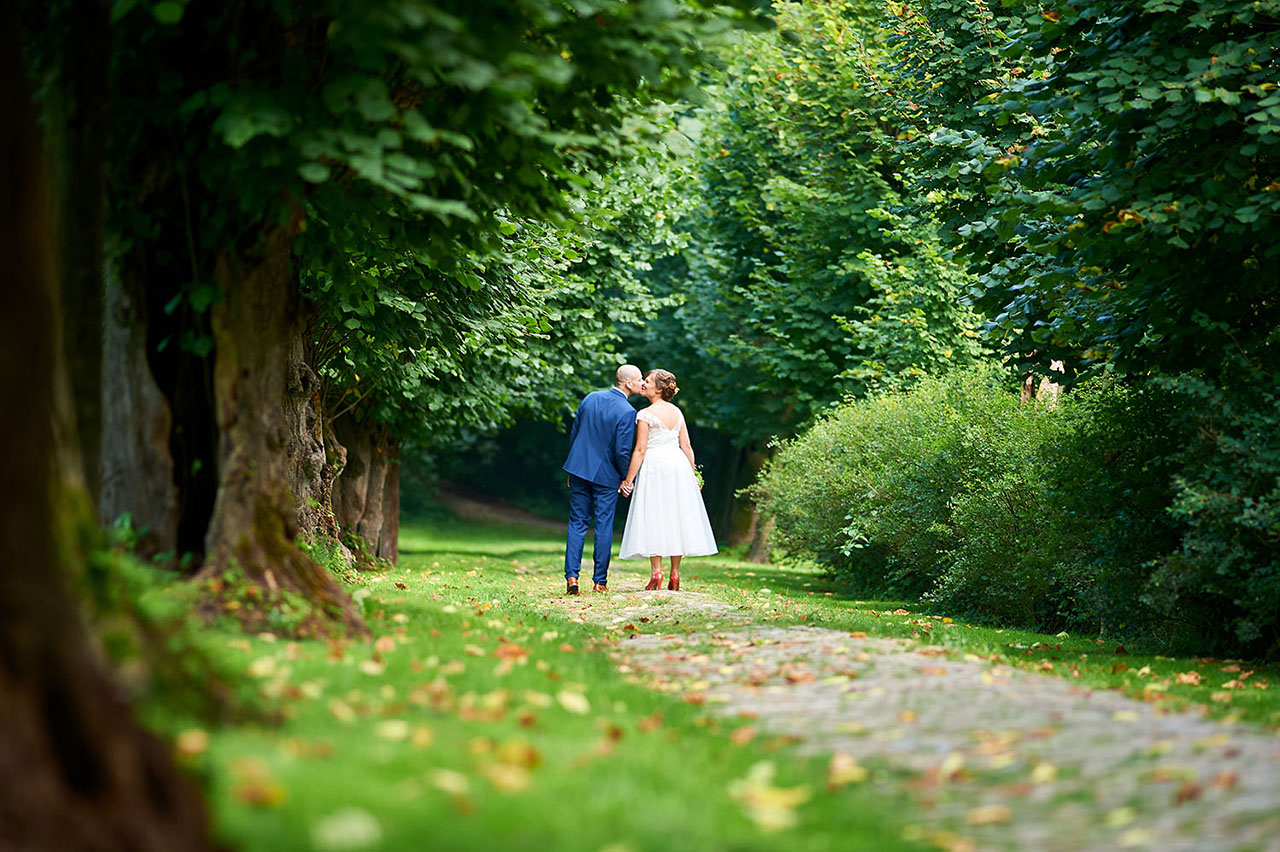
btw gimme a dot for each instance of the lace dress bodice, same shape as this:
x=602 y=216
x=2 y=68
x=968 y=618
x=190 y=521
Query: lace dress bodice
x=659 y=434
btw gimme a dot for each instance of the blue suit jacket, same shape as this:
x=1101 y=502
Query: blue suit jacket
x=604 y=430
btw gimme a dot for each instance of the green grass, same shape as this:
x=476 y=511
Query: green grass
x=424 y=736
x=435 y=742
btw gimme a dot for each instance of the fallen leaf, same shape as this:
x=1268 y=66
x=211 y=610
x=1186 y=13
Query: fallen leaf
x=506 y=777
x=450 y=781
x=574 y=702
x=1220 y=697
x=346 y=830
x=743 y=735
x=393 y=729
x=191 y=743
x=423 y=736
x=1189 y=791
x=385 y=644
x=1188 y=678
x=1233 y=684
x=844 y=770
x=1225 y=780
x=908 y=716
x=650 y=723
x=770 y=808
x=1044 y=773
x=518 y=752
x=259 y=793
x=989 y=815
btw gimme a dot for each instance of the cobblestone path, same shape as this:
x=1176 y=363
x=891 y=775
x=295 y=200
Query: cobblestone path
x=997 y=758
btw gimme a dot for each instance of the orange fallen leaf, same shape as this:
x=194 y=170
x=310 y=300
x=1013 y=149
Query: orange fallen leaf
x=1225 y=780
x=932 y=670
x=1233 y=684
x=801 y=677
x=908 y=716
x=858 y=634
x=650 y=723
x=385 y=644
x=1189 y=791
x=1188 y=678
x=743 y=735
x=510 y=651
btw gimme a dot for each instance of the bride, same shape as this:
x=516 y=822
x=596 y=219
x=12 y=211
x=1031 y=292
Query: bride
x=666 y=516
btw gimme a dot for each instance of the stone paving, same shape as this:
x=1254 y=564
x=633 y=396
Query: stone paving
x=997 y=758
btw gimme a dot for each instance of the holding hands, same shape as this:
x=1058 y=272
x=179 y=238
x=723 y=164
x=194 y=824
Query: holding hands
x=626 y=487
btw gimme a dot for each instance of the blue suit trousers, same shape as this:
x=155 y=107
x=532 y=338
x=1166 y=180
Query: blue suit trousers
x=588 y=503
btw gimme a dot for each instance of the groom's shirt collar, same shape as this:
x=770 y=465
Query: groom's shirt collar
x=619 y=390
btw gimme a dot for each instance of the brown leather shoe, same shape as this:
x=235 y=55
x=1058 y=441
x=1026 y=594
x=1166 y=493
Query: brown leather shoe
x=571 y=586
x=600 y=587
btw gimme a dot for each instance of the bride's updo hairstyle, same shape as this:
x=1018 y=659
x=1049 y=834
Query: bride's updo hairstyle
x=665 y=382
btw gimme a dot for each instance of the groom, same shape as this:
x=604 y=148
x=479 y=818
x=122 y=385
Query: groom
x=604 y=429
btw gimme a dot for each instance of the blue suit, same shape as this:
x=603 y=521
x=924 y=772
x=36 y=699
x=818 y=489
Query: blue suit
x=604 y=429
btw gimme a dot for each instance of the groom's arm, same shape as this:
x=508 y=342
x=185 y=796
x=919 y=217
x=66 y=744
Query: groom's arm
x=624 y=440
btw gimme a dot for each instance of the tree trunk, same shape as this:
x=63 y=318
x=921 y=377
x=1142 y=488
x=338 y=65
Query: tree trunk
x=136 y=468
x=306 y=450
x=389 y=536
x=352 y=484
x=76 y=122
x=75 y=771
x=255 y=516
x=370 y=526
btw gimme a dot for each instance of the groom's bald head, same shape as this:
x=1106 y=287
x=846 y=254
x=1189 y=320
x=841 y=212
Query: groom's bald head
x=629 y=378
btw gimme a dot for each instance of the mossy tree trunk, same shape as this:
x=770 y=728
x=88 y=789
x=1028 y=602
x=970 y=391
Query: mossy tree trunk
x=255 y=514
x=76 y=772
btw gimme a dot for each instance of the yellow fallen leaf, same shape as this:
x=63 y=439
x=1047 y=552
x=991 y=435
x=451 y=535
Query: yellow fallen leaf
x=770 y=808
x=449 y=781
x=1233 y=684
x=262 y=667
x=191 y=743
x=507 y=777
x=574 y=702
x=346 y=830
x=423 y=736
x=373 y=668
x=1220 y=697
x=1125 y=716
x=392 y=729
x=843 y=770
x=989 y=815
x=1121 y=817
x=1044 y=773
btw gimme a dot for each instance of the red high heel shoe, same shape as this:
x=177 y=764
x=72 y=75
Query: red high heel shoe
x=673 y=585
x=654 y=582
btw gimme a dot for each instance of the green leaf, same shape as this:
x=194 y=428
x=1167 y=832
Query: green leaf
x=314 y=172
x=168 y=12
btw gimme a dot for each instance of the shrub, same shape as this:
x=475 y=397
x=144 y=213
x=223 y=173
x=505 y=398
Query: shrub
x=1032 y=515
x=1224 y=578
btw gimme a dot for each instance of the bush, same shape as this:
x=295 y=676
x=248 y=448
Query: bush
x=1051 y=517
x=1224 y=578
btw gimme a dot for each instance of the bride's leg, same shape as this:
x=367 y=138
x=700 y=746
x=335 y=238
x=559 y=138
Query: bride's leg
x=655 y=573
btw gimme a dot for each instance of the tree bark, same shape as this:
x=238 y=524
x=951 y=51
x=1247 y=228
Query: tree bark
x=255 y=515
x=370 y=526
x=75 y=770
x=136 y=468
x=307 y=473
x=352 y=485
x=76 y=121
x=389 y=536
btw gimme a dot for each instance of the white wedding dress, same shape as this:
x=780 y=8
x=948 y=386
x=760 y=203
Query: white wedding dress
x=666 y=517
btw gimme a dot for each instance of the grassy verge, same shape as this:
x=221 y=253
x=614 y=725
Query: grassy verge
x=475 y=720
